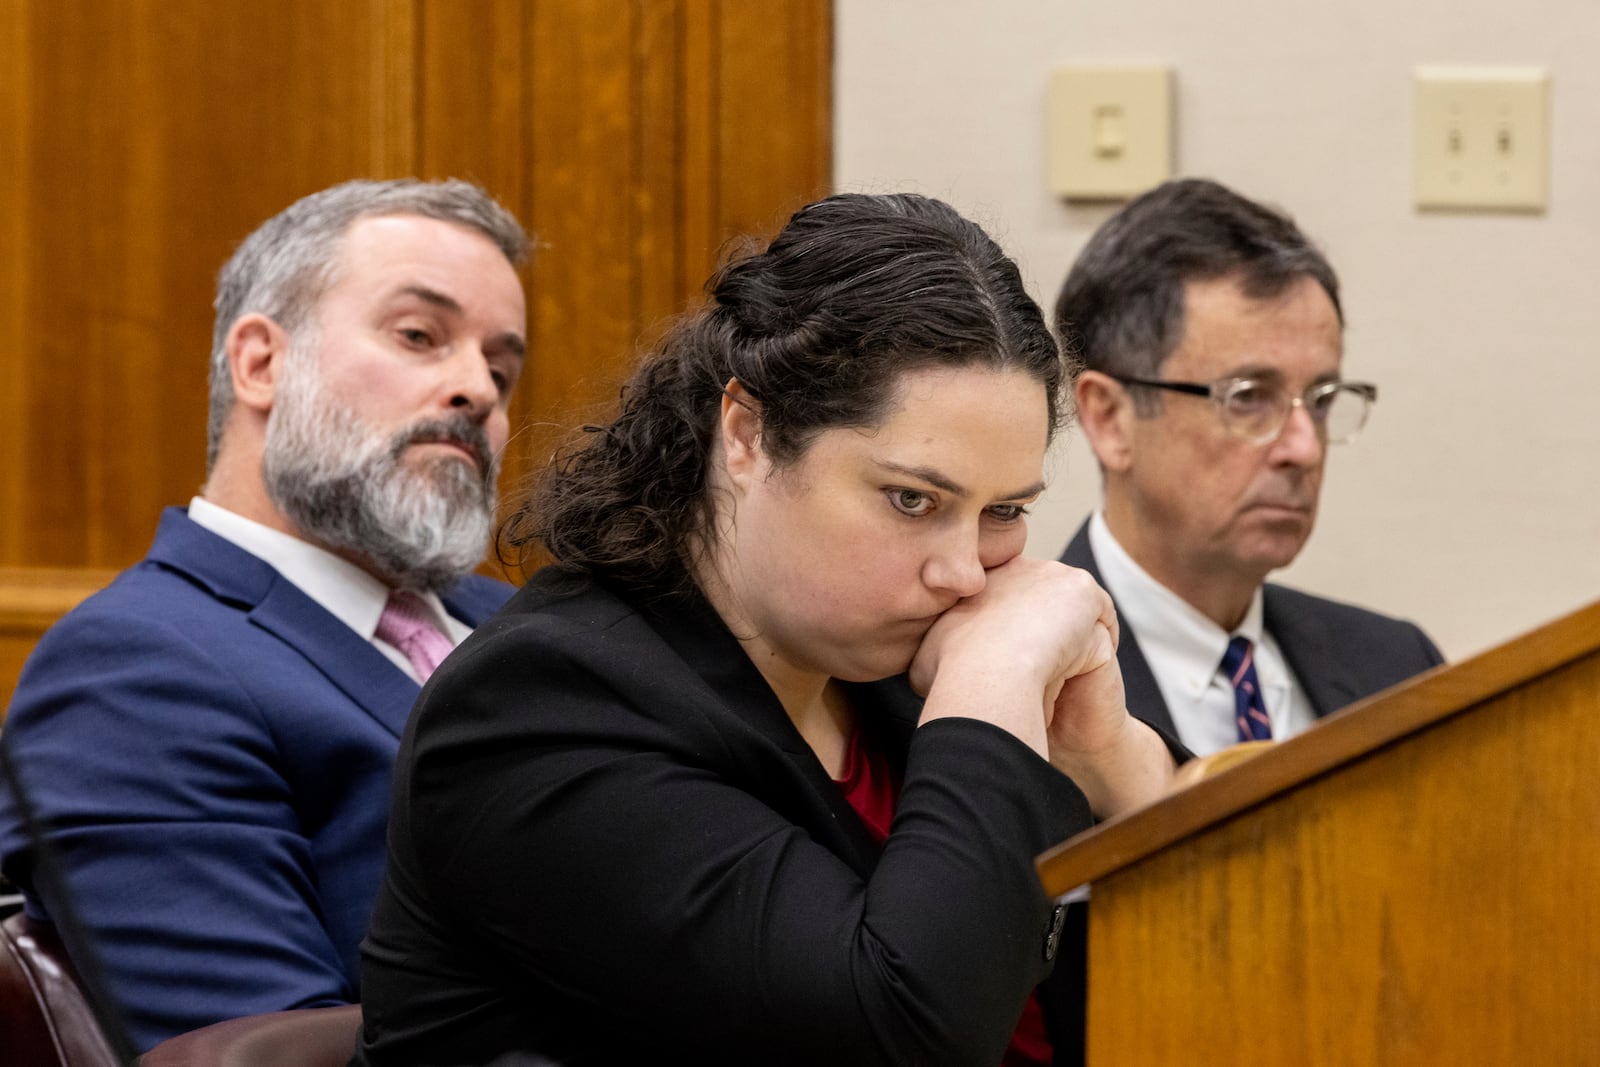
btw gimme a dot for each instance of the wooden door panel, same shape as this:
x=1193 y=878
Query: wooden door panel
x=140 y=140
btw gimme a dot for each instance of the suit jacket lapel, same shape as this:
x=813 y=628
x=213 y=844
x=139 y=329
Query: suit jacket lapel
x=365 y=675
x=1138 y=683
x=1307 y=646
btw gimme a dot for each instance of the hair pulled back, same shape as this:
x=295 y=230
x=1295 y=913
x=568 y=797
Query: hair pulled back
x=818 y=327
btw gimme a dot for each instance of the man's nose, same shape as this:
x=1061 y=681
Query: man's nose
x=1300 y=442
x=473 y=388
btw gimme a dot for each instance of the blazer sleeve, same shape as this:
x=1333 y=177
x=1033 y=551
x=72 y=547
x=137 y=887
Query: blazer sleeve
x=177 y=834
x=1429 y=651
x=610 y=837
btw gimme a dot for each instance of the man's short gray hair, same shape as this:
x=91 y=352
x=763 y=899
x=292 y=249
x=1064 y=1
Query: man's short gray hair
x=283 y=268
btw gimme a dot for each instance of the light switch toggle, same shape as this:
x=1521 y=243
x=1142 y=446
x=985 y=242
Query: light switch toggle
x=1110 y=137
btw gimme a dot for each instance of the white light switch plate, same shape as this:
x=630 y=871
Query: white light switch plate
x=1482 y=138
x=1110 y=131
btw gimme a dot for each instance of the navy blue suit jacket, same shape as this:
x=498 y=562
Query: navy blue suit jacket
x=212 y=752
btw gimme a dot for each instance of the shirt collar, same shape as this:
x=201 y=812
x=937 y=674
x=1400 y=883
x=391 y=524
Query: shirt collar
x=343 y=589
x=1168 y=627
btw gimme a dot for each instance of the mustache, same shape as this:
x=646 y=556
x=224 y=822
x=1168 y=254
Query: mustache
x=461 y=431
x=1295 y=492
x=1287 y=501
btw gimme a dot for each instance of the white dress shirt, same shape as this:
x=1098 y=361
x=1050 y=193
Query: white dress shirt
x=344 y=590
x=1184 y=649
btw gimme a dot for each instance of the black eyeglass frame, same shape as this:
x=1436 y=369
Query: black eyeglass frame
x=1218 y=391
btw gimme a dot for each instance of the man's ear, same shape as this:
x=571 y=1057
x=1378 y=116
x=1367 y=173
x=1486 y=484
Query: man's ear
x=1105 y=411
x=258 y=349
x=741 y=434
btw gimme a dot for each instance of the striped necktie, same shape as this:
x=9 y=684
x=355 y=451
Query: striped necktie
x=1250 y=712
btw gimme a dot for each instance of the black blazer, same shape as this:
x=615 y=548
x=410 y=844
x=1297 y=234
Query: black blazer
x=1339 y=653
x=609 y=844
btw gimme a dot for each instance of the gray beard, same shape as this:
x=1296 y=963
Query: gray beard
x=419 y=526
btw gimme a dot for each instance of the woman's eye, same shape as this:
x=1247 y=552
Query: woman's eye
x=417 y=337
x=1008 y=512
x=910 y=501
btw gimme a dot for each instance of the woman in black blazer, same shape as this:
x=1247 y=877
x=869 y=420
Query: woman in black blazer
x=681 y=801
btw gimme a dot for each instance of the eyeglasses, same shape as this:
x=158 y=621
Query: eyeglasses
x=1257 y=409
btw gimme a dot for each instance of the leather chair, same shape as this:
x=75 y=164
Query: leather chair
x=45 y=1021
x=308 y=1037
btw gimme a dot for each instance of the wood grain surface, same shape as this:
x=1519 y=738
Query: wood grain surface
x=141 y=140
x=1428 y=900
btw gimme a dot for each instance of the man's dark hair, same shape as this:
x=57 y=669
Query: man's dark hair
x=1121 y=308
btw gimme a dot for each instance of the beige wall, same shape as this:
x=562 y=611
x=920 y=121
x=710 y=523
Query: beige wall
x=1472 y=502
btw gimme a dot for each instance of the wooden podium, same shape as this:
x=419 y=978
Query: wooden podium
x=1416 y=880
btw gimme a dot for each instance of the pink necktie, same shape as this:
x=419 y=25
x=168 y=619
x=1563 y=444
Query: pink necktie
x=408 y=625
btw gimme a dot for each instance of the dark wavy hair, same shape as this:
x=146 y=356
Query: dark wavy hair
x=818 y=327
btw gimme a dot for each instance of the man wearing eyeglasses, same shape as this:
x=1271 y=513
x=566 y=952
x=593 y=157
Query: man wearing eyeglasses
x=1211 y=335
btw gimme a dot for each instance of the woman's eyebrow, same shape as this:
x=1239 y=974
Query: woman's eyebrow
x=941 y=481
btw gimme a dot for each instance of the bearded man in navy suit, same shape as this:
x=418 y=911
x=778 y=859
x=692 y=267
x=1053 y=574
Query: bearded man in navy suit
x=208 y=742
